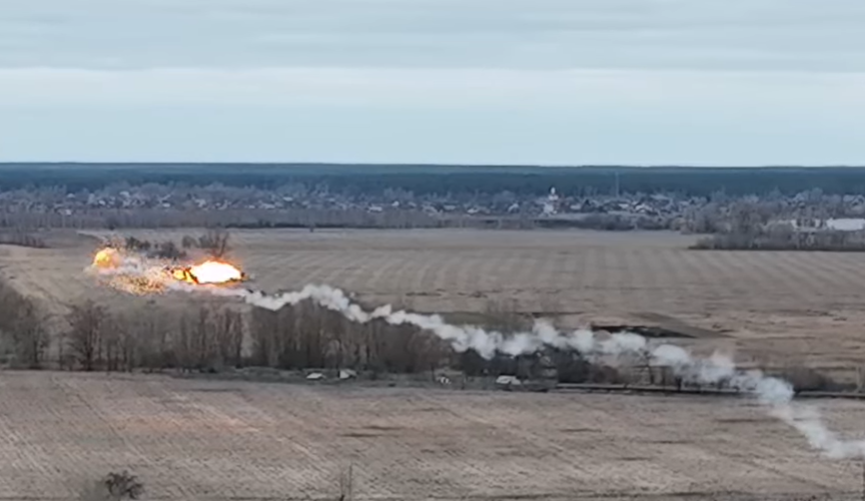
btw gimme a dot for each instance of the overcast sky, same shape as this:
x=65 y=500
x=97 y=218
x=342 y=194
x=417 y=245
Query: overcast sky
x=557 y=82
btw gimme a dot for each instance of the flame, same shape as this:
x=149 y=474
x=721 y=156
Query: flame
x=106 y=258
x=208 y=272
x=141 y=275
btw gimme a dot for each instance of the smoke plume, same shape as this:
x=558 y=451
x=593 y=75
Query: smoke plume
x=774 y=393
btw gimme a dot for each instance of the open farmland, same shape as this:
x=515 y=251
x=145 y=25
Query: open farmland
x=780 y=307
x=198 y=439
x=209 y=439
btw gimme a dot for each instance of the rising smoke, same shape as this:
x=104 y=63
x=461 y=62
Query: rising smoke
x=774 y=393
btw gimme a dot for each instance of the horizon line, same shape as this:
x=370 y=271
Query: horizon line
x=422 y=164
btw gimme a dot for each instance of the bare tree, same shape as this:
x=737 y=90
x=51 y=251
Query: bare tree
x=263 y=327
x=188 y=242
x=169 y=250
x=149 y=342
x=215 y=242
x=644 y=362
x=203 y=342
x=30 y=338
x=228 y=326
x=87 y=321
x=23 y=327
x=182 y=344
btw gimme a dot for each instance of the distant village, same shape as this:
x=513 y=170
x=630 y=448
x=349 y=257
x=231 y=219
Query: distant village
x=160 y=205
x=217 y=198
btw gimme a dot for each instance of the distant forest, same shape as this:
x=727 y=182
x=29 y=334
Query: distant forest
x=433 y=179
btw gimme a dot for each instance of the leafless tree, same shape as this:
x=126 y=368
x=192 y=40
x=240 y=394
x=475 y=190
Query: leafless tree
x=169 y=250
x=263 y=328
x=203 y=340
x=30 y=338
x=644 y=361
x=149 y=343
x=23 y=326
x=182 y=344
x=215 y=242
x=87 y=322
x=188 y=242
x=228 y=326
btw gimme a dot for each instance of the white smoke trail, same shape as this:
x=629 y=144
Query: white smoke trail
x=776 y=394
x=772 y=392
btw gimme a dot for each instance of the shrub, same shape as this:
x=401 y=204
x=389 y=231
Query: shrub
x=188 y=242
x=168 y=250
x=827 y=241
x=114 y=487
x=134 y=244
x=215 y=242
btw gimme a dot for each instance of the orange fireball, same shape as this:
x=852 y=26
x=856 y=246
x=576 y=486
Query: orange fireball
x=106 y=258
x=208 y=272
x=215 y=272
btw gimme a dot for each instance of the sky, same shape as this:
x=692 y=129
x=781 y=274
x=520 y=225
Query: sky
x=542 y=82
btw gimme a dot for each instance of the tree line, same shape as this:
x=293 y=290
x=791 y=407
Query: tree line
x=432 y=179
x=760 y=226
x=211 y=336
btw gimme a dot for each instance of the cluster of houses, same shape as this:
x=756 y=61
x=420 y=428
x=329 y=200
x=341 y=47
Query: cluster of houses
x=217 y=197
x=799 y=211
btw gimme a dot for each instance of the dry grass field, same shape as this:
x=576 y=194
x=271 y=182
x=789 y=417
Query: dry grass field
x=776 y=307
x=200 y=439
x=204 y=439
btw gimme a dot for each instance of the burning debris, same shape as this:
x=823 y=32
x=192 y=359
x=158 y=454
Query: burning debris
x=209 y=272
x=138 y=274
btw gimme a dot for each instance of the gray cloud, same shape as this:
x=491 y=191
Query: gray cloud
x=540 y=34
x=503 y=81
x=592 y=90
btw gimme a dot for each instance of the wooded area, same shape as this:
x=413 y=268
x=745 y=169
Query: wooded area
x=429 y=179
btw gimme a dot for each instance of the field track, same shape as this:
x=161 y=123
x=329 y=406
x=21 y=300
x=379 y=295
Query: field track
x=198 y=439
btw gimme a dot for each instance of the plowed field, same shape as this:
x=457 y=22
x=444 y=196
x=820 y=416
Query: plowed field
x=194 y=439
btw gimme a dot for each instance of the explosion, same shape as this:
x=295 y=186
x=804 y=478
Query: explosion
x=141 y=275
x=208 y=272
x=106 y=258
